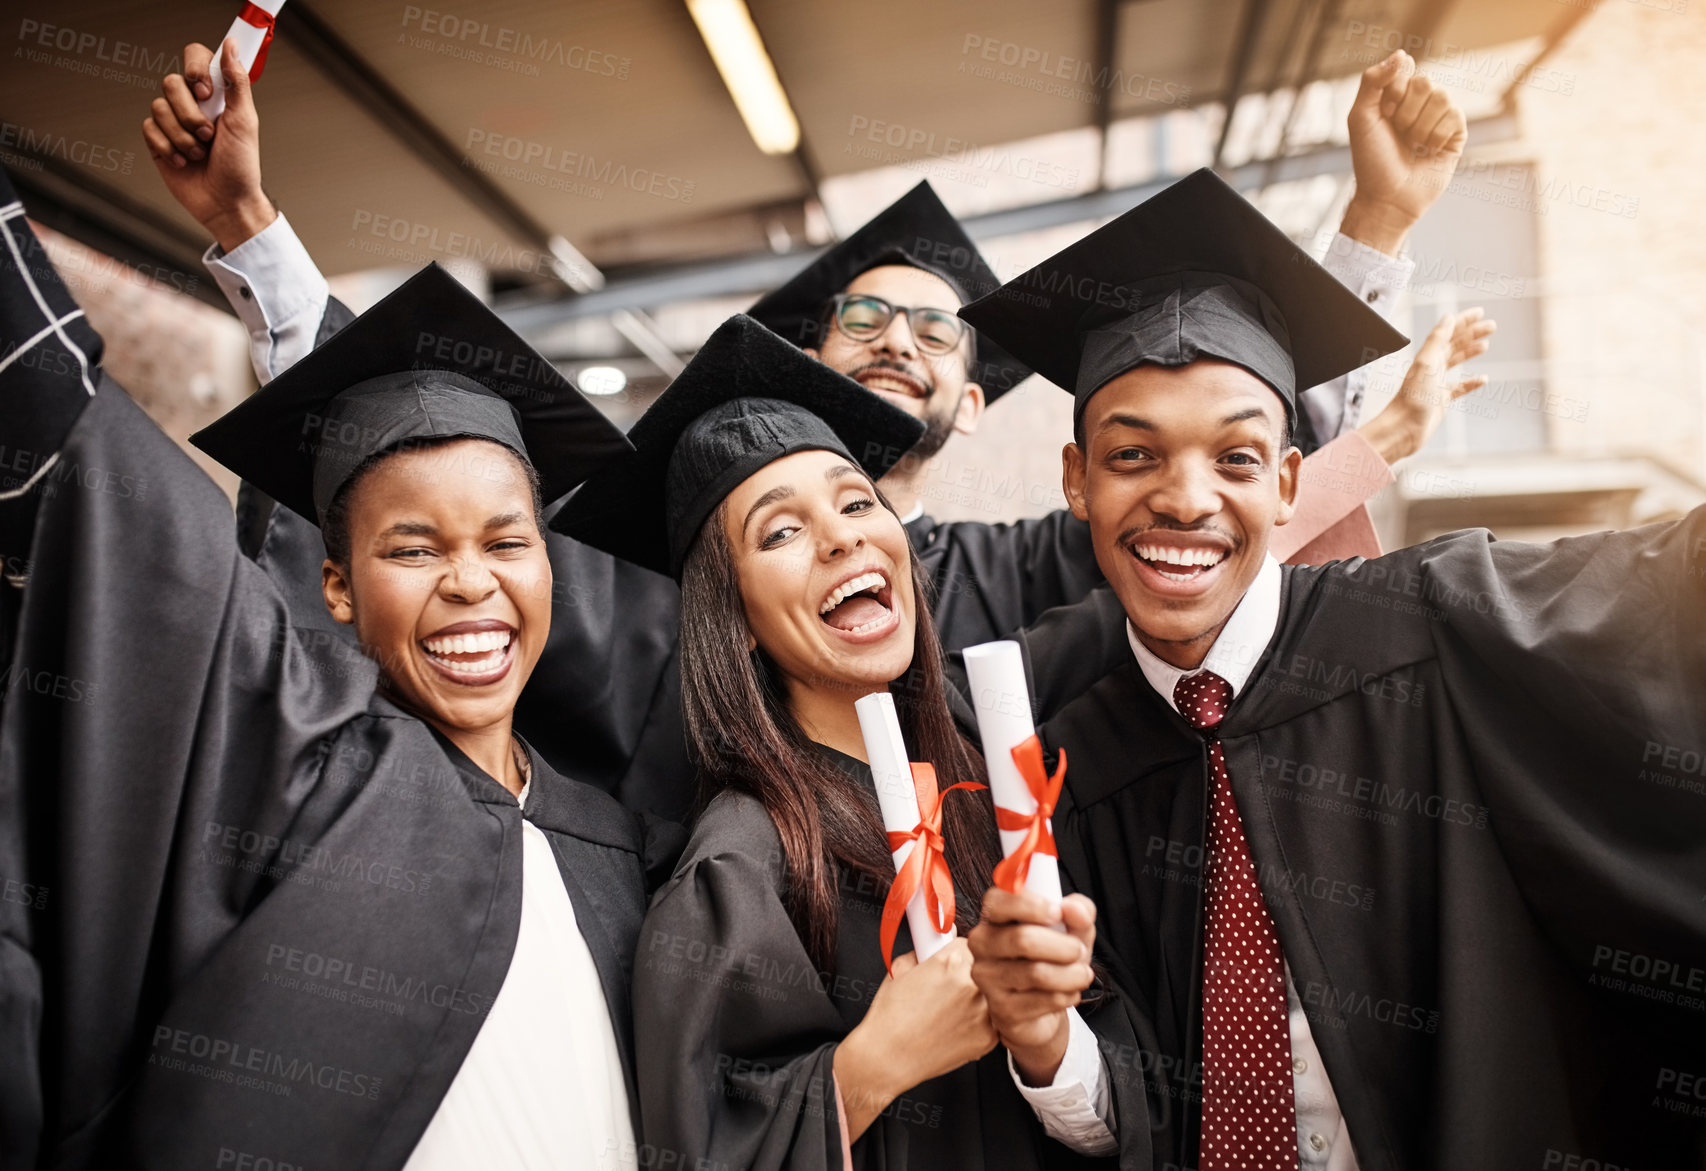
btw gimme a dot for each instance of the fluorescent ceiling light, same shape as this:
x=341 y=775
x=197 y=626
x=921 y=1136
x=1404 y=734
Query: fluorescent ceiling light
x=601 y=380
x=739 y=53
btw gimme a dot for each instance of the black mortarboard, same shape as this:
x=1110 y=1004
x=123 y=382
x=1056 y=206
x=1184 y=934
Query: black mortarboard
x=428 y=361
x=747 y=399
x=914 y=230
x=1194 y=272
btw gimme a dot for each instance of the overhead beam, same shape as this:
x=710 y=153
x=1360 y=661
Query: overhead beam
x=350 y=72
x=1107 y=44
x=1244 y=51
x=751 y=274
x=1326 y=17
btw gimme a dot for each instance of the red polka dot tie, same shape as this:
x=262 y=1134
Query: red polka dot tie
x=1249 y=1117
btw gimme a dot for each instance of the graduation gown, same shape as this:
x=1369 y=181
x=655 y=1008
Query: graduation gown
x=736 y=1028
x=273 y=908
x=992 y=579
x=1470 y=775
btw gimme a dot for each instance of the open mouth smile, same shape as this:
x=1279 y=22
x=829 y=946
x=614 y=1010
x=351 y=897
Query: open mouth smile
x=861 y=609
x=473 y=654
x=1179 y=570
x=894 y=382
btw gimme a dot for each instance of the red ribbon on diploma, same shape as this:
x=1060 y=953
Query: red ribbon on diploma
x=262 y=19
x=1011 y=871
x=925 y=868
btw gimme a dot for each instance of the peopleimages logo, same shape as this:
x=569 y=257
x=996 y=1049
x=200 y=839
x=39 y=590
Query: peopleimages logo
x=513 y=49
x=45 y=144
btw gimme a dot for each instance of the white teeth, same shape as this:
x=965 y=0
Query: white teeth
x=847 y=589
x=1175 y=556
x=468 y=644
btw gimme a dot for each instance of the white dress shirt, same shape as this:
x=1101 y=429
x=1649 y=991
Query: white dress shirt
x=1323 y=1142
x=277 y=292
x=1336 y=407
x=542 y=1086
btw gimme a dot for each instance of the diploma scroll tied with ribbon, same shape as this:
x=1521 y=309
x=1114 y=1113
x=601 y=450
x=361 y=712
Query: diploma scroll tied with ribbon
x=1024 y=791
x=911 y=806
x=252 y=31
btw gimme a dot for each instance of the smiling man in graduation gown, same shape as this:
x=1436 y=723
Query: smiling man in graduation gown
x=621 y=723
x=284 y=916
x=1389 y=849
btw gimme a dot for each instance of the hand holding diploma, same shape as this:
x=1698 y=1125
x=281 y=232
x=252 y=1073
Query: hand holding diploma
x=911 y=807
x=215 y=176
x=927 y=1019
x=1031 y=960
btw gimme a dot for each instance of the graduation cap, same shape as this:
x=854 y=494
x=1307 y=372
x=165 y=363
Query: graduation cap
x=1194 y=272
x=915 y=230
x=429 y=361
x=747 y=399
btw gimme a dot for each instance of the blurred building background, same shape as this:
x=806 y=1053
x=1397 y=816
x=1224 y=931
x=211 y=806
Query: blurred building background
x=585 y=166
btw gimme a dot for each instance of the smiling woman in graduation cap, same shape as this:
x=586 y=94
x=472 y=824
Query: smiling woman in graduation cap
x=767 y=1033
x=1411 y=826
x=301 y=909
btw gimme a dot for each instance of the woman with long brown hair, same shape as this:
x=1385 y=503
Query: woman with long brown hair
x=767 y=1033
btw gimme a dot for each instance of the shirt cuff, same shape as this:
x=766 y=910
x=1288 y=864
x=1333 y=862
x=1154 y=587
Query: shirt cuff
x=1075 y=1109
x=271 y=282
x=1368 y=272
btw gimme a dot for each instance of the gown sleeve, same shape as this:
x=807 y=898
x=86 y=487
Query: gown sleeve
x=736 y=1039
x=991 y=579
x=1577 y=672
x=155 y=687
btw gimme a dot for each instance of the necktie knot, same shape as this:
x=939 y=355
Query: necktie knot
x=1202 y=698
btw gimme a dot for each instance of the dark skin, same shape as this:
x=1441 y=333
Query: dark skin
x=1177 y=460
x=1031 y=960
x=445 y=544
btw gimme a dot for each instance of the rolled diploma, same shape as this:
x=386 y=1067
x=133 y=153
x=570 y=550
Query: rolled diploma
x=885 y=747
x=249 y=39
x=1002 y=700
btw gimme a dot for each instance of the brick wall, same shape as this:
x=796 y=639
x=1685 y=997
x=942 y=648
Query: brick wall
x=184 y=362
x=1621 y=174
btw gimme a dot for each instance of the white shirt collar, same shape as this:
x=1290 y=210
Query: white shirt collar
x=913 y=513
x=1240 y=644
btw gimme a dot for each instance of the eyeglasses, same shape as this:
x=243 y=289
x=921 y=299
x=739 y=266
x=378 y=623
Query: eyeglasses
x=862 y=317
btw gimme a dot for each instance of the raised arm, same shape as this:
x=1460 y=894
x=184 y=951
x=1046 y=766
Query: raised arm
x=214 y=171
x=1407 y=138
x=1330 y=522
x=155 y=687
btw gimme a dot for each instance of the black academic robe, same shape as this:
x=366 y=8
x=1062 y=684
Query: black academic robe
x=993 y=579
x=268 y=910
x=1471 y=777
x=737 y=1028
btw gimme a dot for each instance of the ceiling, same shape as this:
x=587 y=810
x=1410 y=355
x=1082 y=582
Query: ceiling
x=393 y=134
